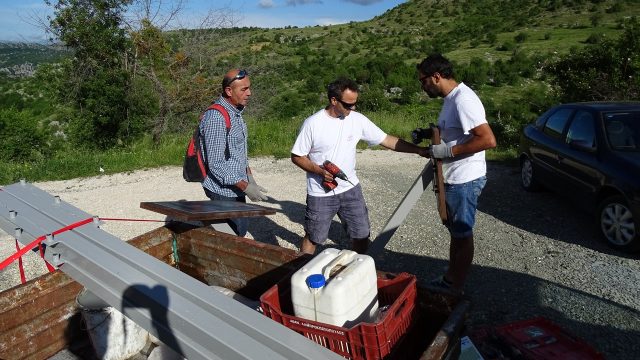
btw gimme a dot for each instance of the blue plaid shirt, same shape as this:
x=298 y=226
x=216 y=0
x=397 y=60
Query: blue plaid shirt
x=224 y=174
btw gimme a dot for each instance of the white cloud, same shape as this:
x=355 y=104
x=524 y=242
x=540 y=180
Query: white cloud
x=266 y=4
x=363 y=2
x=329 y=21
x=260 y=20
x=303 y=2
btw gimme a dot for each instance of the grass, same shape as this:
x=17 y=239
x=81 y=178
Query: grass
x=73 y=164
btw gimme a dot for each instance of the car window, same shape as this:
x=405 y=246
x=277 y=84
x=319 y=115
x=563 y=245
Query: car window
x=623 y=130
x=541 y=119
x=582 y=129
x=556 y=123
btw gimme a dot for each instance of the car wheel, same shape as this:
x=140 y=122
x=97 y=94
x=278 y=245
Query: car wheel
x=617 y=224
x=527 y=176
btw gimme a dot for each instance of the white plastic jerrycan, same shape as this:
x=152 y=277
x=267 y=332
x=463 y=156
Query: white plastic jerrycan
x=337 y=287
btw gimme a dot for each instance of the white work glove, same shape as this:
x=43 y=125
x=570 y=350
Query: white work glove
x=253 y=181
x=440 y=151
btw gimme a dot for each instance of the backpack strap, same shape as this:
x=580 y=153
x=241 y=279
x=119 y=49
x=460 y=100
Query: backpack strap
x=227 y=121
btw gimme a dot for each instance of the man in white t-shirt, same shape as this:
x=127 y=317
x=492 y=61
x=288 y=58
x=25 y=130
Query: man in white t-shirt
x=332 y=134
x=465 y=135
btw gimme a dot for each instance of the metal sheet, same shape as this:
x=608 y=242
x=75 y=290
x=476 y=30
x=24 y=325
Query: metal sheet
x=404 y=207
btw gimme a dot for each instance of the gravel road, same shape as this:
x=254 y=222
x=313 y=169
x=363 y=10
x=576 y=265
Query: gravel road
x=536 y=254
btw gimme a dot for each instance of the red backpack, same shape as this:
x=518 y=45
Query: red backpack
x=195 y=166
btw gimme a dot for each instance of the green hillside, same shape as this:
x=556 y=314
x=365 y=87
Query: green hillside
x=500 y=48
x=491 y=30
x=12 y=54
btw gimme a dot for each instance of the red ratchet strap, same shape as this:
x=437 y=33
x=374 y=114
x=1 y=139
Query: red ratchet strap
x=38 y=242
x=49 y=267
x=22 y=277
x=119 y=219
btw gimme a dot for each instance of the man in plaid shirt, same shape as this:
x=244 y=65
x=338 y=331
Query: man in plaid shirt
x=229 y=176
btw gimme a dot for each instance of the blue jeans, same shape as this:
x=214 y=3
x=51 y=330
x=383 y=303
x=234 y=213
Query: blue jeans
x=238 y=225
x=462 y=202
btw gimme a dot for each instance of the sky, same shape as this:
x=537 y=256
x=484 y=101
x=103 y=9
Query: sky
x=18 y=19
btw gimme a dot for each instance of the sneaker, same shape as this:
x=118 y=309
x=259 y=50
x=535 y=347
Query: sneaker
x=441 y=282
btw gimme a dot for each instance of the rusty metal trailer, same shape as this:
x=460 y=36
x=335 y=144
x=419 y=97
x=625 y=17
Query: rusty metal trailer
x=40 y=318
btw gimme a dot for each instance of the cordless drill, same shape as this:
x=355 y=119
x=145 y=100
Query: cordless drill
x=334 y=170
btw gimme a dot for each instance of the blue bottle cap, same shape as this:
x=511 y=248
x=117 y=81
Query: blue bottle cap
x=315 y=281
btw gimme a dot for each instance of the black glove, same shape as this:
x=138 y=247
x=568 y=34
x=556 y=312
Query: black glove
x=420 y=134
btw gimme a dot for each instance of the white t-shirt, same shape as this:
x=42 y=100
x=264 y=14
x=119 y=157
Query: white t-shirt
x=323 y=137
x=462 y=111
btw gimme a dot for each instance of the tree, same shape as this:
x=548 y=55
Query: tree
x=96 y=78
x=129 y=76
x=177 y=65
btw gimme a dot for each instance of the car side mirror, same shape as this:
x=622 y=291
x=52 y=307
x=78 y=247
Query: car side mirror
x=582 y=145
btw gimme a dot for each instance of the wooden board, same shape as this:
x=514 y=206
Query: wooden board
x=205 y=210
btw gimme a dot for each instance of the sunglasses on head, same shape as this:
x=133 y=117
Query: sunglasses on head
x=239 y=76
x=346 y=104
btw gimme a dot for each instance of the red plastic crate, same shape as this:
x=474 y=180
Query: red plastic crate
x=540 y=339
x=364 y=341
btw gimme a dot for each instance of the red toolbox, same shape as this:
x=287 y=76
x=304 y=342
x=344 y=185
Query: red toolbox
x=367 y=341
x=536 y=339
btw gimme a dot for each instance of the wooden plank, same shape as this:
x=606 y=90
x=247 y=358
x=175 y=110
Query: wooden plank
x=438 y=181
x=206 y=210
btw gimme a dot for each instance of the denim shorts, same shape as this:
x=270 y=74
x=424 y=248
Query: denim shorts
x=462 y=202
x=350 y=207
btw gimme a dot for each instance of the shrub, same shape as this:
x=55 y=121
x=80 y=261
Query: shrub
x=373 y=99
x=521 y=37
x=476 y=73
x=21 y=138
x=506 y=46
x=594 y=38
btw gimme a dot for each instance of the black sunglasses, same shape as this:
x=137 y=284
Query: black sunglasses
x=346 y=104
x=423 y=78
x=239 y=76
